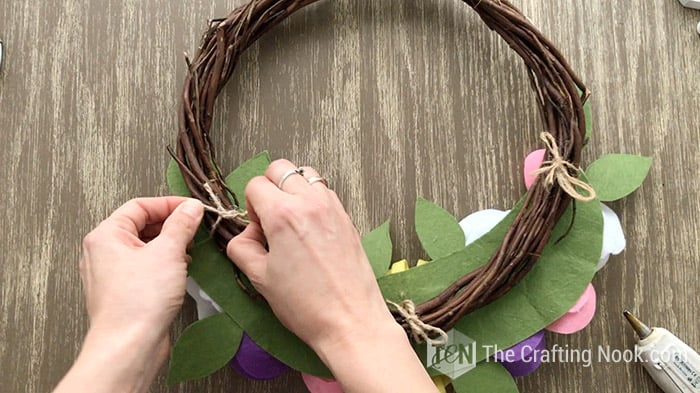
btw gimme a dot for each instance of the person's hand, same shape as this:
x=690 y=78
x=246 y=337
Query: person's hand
x=134 y=270
x=316 y=276
x=134 y=264
x=319 y=283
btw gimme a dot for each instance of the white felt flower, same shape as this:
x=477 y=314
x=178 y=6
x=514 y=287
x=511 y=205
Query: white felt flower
x=206 y=306
x=613 y=237
x=480 y=223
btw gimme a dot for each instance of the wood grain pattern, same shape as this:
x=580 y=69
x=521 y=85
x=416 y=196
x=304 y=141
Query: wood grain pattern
x=389 y=99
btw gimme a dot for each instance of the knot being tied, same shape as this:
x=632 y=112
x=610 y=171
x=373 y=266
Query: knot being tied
x=420 y=330
x=221 y=211
x=559 y=170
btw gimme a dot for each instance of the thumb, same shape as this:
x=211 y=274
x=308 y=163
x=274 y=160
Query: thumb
x=179 y=228
x=247 y=251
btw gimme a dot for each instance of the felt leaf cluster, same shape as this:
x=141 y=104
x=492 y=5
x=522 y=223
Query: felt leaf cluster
x=545 y=294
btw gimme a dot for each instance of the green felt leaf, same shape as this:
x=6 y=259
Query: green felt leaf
x=239 y=178
x=204 y=347
x=214 y=273
x=615 y=176
x=176 y=183
x=547 y=292
x=378 y=247
x=487 y=377
x=437 y=229
x=444 y=270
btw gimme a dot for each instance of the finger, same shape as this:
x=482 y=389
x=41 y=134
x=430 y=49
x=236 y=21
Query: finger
x=164 y=347
x=150 y=231
x=179 y=229
x=261 y=196
x=249 y=205
x=311 y=173
x=293 y=183
x=335 y=199
x=136 y=214
x=247 y=250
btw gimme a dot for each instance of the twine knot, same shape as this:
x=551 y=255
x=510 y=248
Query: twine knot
x=420 y=330
x=221 y=211
x=558 y=169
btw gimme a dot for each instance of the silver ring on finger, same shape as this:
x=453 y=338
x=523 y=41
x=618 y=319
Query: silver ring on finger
x=318 y=179
x=295 y=171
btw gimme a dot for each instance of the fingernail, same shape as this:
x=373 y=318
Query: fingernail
x=193 y=208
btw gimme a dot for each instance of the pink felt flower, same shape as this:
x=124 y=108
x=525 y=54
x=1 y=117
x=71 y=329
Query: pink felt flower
x=613 y=237
x=321 y=385
x=579 y=316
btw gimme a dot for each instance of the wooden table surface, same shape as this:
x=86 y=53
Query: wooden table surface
x=389 y=99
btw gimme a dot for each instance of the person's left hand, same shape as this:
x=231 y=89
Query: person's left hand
x=134 y=272
x=134 y=264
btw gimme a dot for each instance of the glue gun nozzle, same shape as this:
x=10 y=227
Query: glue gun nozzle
x=642 y=330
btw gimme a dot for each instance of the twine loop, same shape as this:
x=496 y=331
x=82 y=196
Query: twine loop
x=420 y=330
x=558 y=169
x=221 y=211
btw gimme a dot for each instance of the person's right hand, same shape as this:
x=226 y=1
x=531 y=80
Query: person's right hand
x=316 y=276
x=318 y=281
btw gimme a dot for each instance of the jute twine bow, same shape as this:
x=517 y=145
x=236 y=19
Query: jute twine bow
x=221 y=211
x=420 y=330
x=559 y=169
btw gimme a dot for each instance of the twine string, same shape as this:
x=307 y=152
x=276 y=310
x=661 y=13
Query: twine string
x=221 y=211
x=420 y=330
x=559 y=170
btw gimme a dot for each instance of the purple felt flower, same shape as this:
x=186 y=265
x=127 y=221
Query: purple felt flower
x=253 y=362
x=524 y=357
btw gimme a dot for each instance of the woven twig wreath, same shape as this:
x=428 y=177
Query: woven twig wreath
x=560 y=97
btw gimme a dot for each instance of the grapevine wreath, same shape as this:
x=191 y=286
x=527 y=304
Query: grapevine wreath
x=430 y=309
